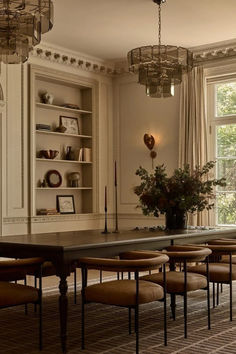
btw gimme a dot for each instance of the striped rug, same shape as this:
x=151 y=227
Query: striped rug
x=107 y=328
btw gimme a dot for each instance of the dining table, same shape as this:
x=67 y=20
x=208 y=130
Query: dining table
x=64 y=248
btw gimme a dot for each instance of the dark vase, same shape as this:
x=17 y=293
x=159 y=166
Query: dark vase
x=176 y=219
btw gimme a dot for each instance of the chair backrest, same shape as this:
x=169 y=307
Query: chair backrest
x=18 y=268
x=181 y=253
x=138 y=263
x=222 y=241
x=221 y=249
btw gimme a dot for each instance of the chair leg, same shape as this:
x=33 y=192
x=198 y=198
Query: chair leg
x=130 y=329
x=173 y=305
x=100 y=276
x=213 y=295
x=165 y=323
x=221 y=287
x=40 y=312
x=137 y=312
x=137 y=327
x=217 y=293
x=208 y=294
x=35 y=285
x=185 y=299
x=26 y=306
x=231 y=289
x=75 y=287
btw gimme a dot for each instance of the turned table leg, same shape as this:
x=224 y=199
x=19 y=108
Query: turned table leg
x=63 y=308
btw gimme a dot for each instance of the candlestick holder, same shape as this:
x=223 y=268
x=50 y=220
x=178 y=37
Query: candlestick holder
x=105 y=231
x=116 y=231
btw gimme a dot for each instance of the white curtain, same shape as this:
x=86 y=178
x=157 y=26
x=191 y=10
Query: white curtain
x=193 y=147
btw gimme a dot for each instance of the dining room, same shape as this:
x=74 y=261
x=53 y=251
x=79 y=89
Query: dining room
x=118 y=175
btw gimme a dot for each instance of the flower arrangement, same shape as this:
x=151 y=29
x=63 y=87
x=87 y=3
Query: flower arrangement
x=185 y=191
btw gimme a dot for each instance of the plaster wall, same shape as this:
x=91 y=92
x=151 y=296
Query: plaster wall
x=134 y=115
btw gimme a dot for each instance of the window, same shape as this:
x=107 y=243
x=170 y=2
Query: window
x=222 y=125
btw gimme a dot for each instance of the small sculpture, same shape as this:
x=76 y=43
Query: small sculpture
x=47 y=98
x=60 y=129
x=74 y=179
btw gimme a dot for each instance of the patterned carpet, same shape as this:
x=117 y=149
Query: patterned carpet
x=107 y=329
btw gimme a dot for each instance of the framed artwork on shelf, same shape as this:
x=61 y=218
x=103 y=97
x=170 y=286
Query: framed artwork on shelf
x=71 y=124
x=65 y=204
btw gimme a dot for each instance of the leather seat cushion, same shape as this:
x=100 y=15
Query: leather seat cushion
x=123 y=292
x=175 y=281
x=218 y=272
x=16 y=294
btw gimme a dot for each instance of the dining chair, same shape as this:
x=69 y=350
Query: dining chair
x=180 y=282
x=125 y=293
x=219 y=272
x=48 y=269
x=13 y=294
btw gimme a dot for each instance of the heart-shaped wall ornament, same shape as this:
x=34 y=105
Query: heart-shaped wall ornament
x=149 y=141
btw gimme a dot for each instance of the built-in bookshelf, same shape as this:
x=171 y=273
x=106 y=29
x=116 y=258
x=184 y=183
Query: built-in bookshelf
x=62 y=141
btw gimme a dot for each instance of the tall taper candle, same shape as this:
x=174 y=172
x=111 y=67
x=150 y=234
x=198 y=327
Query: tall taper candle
x=116 y=213
x=115 y=175
x=105 y=198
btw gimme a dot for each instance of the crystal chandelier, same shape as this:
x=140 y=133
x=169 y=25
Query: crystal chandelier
x=21 y=24
x=160 y=67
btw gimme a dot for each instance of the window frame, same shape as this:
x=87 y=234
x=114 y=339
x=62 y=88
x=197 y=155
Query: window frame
x=213 y=121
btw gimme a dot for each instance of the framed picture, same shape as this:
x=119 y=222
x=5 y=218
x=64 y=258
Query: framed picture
x=65 y=204
x=71 y=124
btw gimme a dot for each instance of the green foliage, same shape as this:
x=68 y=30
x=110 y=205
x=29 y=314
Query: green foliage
x=226 y=99
x=185 y=190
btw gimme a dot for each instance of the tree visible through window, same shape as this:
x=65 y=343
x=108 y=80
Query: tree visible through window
x=225 y=106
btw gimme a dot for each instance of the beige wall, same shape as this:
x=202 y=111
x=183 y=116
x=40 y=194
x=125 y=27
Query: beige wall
x=124 y=115
x=134 y=115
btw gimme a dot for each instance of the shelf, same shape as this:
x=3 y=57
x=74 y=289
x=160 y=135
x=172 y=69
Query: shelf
x=64 y=134
x=62 y=161
x=64 y=188
x=60 y=108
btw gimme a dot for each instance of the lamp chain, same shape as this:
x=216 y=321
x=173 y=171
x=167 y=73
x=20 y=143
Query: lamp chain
x=159 y=24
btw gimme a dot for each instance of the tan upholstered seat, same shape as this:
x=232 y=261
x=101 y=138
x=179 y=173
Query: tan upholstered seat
x=218 y=272
x=175 y=281
x=17 y=294
x=127 y=293
x=124 y=294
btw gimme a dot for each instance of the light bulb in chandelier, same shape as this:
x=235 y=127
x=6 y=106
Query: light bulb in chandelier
x=160 y=67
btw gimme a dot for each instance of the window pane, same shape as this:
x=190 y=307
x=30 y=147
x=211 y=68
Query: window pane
x=227 y=168
x=226 y=140
x=226 y=206
x=226 y=99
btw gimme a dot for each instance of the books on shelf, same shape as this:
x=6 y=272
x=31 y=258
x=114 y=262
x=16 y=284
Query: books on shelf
x=49 y=211
x=46 y=127
x=85 y=154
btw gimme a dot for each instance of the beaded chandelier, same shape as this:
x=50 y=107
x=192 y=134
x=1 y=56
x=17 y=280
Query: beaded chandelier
x=21 y=24
x=160 y=67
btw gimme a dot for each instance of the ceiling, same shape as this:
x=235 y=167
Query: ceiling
x=108 y=29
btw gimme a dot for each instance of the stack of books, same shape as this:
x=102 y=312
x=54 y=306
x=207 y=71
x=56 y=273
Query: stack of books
x=43 y=127
x=85 y=154
x=50 y=211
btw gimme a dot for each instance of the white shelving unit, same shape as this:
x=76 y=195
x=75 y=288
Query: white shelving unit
x=65 y=89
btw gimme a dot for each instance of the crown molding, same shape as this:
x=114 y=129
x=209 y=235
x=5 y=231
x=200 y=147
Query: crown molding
x=214 y=51
x=77 y=60
x=201 y=54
